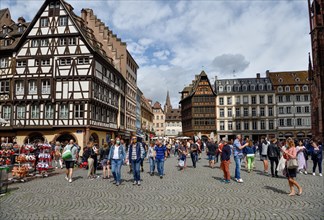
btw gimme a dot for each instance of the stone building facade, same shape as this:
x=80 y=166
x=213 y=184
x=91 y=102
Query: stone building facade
x=158 y=120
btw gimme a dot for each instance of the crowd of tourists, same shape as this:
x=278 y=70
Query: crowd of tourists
x=288 y=157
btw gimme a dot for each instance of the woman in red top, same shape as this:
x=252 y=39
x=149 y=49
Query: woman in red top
x=291 y=153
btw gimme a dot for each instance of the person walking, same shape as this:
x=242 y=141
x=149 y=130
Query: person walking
x=317 y=156
x=264 y=155
x=69 y=163
x=193 y=153
x=95 y=158
x=90 y=154
x=182 y=151
x=250 y=154
x=135 y=153
x=211 y=152
x=150 y=156
x=226 y=160
x=301 y=150
x=58 y=155
x=104 y=153
x=291 y=153
x=116 y=158
x=161 y=154
x=238 y=156
x=273 y=155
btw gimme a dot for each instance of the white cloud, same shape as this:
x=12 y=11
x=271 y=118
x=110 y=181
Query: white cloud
x=269 y=35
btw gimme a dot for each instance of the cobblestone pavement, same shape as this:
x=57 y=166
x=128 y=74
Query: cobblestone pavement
x=192 y=194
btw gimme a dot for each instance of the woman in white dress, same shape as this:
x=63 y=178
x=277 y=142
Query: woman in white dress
x=302 y=165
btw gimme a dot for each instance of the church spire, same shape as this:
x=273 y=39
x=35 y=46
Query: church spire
x=167 y=105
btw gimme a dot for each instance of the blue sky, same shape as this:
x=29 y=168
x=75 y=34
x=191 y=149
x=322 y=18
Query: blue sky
x=174 y=40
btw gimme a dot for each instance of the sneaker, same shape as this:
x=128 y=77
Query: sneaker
x=240 y=181
x=56 y=167
x=135 y=182
x=314 y=174
x=161 y=177
x=320 y=174
x=235 y=179
x=117 y=184
x=67 y=179
x=305 y=172
x=300 y=172
x=139 y=183
x=114 y=182
x=70 y=180
x=227 y=181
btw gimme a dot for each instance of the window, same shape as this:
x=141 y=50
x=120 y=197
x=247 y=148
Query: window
x=254 y=125
x=253 y=100
x=34 y=112
x=157 y=125
x=306 y=98
x=253 y=112
x=298 y=109
x=21 y=112
x=270 y=99
x=271 y=124
x=21 y=29
x=280 y=89
x=281 y=110
x=229 y=88
x=230 y=125
x=4 y=86
x=229 y=112
x=306 y=109
x=162 y=125
x=252 y=87
x=220 y=88
x=262 y=112
x=3 y=63
x=238 y=125
x=246 y=125
x=237 y=112
x=44 y=42
x=63 y=41
x=5 y=30
x=246 y=112
x=83 y=60
x=229 y=100
x=297 y=88
x=262 y=123
x=244 y=87
x=44 y=22
x=19 y=88
x=299 y=122
x=221 y=112
x=55 y=4
x=261 y=99
x=21 y=63
x=72 y=41
x=269 y=87
x=46 y=62
x=289 y=122
x=287 y=88
x=6 y=112
x=305 y=88
x=237 y=100
x=221 y=125
x=221 y=101
x=63 y=21
x=79 y=111
x=65 y=61
x=49 y=112
x=298 y=98
x=7 y=42
x=280 y=98
x=35 y=43
x=260 y=87
x=64 y=111
x=46 y=87
x=245 y=99
x=270 y=111
x=288 y=98
x=32 y=87
x=281 y=122
x=157 y=117
x=288 y=110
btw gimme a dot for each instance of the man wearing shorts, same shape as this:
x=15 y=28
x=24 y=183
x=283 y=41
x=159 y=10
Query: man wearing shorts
x=69 y=163
x=211 y=152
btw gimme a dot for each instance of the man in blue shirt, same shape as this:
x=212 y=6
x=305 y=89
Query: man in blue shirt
x=238 y=156
x=160 y=156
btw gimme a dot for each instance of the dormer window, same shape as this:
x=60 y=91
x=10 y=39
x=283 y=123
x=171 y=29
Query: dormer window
x=21 y=29
x=244 y=87
x=5 y=30
x=280 y=80
x=280 y=89
x=260 y=87
x=269 y=87
x=220 y=88
x=7 y=42
x=305 y=88
x=229 y=88
x=252 y=87
x=297 y=88
x=287 y=89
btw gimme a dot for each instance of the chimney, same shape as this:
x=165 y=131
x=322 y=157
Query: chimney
x=267 y=73
x=21 y=20
x=258 y=75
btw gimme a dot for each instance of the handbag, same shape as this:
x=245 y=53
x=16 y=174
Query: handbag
x=181 y=163
x=292 y=164
x=67 y=155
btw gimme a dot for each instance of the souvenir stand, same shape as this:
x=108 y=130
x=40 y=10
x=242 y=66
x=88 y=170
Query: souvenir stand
x=44 y=165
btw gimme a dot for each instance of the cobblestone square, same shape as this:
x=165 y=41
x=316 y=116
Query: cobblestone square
x=192 y=194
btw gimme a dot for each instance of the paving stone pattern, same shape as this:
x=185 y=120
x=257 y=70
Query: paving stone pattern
x=192 y=194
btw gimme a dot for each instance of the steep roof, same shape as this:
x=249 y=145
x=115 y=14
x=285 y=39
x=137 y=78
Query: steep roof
x=289 y=78
x=173 y=115
x=3 y=12
x=157 y=105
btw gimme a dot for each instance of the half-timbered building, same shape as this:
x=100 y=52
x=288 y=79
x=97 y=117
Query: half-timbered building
x=198 y=107
x=64 y=86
